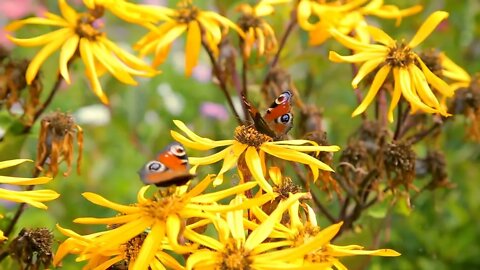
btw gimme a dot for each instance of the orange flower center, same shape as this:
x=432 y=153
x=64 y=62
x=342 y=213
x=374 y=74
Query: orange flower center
x=234 y=257
x=87 y=27
x=186 y=12
x=400 y=55
x=250 y=136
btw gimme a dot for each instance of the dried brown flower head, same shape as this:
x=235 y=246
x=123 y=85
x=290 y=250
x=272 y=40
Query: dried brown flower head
x=399 y=161
x=435 y=165
x=55 y=142
x=433 y=61
x=12 y=85
x=467 y=102
x=32 y=248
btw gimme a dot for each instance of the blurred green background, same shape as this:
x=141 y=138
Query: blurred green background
x=441 y=232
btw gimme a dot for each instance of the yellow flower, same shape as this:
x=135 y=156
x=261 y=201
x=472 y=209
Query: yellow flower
x=190 y=19
x=32 y=197
x=256 y=28
x=237 y=247
x=412 y=78
x=347 y=17
x=310 y=242
x=454 y=72
x=123 y=254
x=163 y=216
x=253 y=145
x=78 y=33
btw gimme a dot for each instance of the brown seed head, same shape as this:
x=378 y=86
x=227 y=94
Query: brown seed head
x=32 y=248
x=250 y=136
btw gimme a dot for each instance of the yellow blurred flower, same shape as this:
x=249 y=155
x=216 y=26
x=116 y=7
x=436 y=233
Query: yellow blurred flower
x=31 y=197
x=310 y=242
x=412 y=78
x=252 y=147
x=116 y=256
x=347 y=17
x=80 y=33
x=256 y=29
x=190 y=19
x=163 y=215
x=454 y=72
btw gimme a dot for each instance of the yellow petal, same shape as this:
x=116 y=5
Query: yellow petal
x=13 y=162
x=427 y=27
x=365 y=69
x=453 y=71
x=197 y=138
x=255 y=167
x=372 y=92
x=380 y=36
x=68 y=50
x=128 y=58
x=357 y=58
x=212 y=29
x=304 y=11
x=192 y=47
x=99 y=200
x=111 y=64
x=218 y=195
x=87 y=57
x=45 y=52
x=406 y=86
x=261 y=233
x=397 y=93
x=171 y=35
x=33 y=197
x=209 y=159
x=203 y=240
x=67 y=12
x=112 y=220
x=150 y=246
x=231 y=157
x=434 y=80
x=422 y=87
x=35 y=20
x=173 y=227
x=295 y=156
x=11 y=180
x=201 y=256
x=40 y=40
x=354 y=44
x=222 y=20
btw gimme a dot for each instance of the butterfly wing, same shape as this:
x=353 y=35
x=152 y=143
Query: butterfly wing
x=170 y=167
x=260 y=124
x=279 y=116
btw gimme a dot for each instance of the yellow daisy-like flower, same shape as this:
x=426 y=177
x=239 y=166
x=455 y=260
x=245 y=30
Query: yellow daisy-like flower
x=256 y=29
x=163 y=216
x=302 y=234
x=190 y=19
x=347 y=17
x=412 y=78
x=254 y=146
x=121 y=255
x=79 y=33
x=31 y=197
x=238 y=248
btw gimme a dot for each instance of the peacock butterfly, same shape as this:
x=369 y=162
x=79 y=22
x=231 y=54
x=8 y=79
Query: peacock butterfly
x=170 y=167
x=277 y=120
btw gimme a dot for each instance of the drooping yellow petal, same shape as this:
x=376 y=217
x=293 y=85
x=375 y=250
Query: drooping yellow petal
x=197 y=138
x=39 y=40
x=218 y=195
x=230 y=159
x=372 y=92
x=192 y=47
x=108 y=61
x=202 y=239
x=397 y=93
x=111 y=220
x=33 y=197
x=35 y=20
x=68 y=50
x=427 y=27
x=87 y=57
x=452 y=70
x=354 y=44
x=173 y=228
x=422 y=87
x=434 y=80
x=149 y=247
x=60 y=37
x=365 y=69
x=406 y=86
x=255 y=167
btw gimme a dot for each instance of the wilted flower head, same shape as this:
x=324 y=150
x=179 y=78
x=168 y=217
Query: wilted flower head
x=56 y=142
x=32 y=248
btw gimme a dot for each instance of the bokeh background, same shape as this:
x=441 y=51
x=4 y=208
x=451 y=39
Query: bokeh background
x=441 y=231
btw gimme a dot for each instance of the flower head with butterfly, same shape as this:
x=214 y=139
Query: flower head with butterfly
x=252 y=143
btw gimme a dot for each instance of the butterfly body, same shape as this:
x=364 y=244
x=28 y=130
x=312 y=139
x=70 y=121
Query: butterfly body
x=277 y=120
x=170 y=167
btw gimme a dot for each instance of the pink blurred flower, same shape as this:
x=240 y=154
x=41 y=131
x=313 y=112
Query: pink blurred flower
x=202 y=73
x=17 y=9
x=214 y=110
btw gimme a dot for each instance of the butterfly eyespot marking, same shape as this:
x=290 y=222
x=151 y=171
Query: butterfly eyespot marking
x=285 y=119
x=284 y=96
x=177 y=150
x=155 y=166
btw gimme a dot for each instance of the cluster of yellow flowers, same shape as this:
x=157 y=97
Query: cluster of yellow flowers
x=248 y=233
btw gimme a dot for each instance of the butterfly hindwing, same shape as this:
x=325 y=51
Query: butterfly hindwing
x=170 y=167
